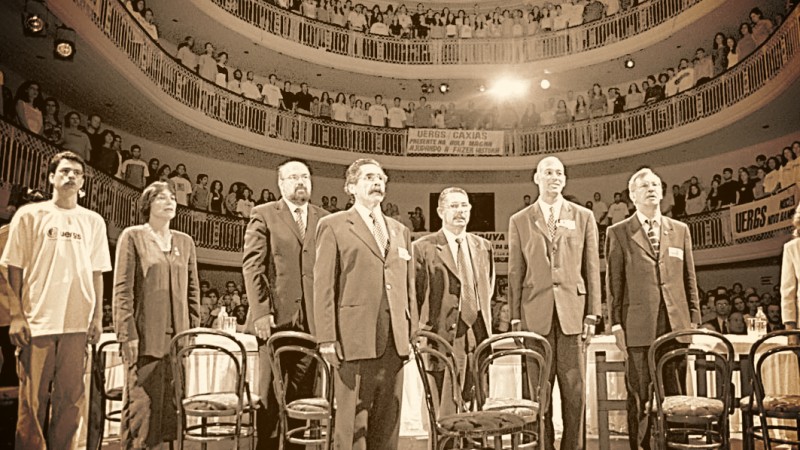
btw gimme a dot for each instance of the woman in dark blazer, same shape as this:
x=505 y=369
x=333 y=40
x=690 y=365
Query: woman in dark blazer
x=156 y=295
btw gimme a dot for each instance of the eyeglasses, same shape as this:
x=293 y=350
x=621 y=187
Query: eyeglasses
x=66 y=171
x=459 y=206
x=304 y=177
x=372 y=177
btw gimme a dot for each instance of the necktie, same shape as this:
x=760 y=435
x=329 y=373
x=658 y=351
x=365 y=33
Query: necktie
x=380 y=235
x=469 y=305
x=652 y=235
x=298 y=219
x=551 y=223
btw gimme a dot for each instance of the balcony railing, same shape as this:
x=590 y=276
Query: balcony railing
x=23 y=161
x=222 y=105
x=544 y=45
x=24 y=158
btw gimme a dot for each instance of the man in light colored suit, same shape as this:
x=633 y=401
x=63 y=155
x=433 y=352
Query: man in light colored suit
x=554 y=282
x=278 y=265
x=454 y=284
x=365 y=310
x=652 y=291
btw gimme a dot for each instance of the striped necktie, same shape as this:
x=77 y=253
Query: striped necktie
x=551 y=223
x=652 y=235
x=469 y=305
x=298 y=219
x=380 y=235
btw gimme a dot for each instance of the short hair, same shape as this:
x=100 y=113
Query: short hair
x=213 y=291
x=201 y=176
x=69 y=156
x=291 y=160
x=447 y=191
x=149 y=194
x=722 y=297
x=354 y=169
x=727 y=169
x=397 y=98
x=641 y=173
x=204 y=282
x=135 y=147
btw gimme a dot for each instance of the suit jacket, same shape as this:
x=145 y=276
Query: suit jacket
x=563 y=273
x=278 y=265
x=790 y=274
x=151 y=287
x=637 y=280
x=358 y=292
x=438 y=286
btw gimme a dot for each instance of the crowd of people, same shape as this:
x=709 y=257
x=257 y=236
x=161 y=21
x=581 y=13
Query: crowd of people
x=725 y=51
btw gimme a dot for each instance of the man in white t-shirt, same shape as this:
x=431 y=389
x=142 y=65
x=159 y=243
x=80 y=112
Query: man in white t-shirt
x=377 y=112
x=618 y=210
x=55 y=256
x=397 y=115
x=249 y=88
x=599 y=209
x=182 y=185
x=272 y=92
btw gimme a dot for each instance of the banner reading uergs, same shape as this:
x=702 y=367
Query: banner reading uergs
x=428 y=141
x=764 y=215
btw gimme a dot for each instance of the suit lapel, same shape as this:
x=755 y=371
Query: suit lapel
x=667 y=236
x=311 y=224
x=359 y=228
x=444 y=253
x=538 y=219
x=288 y=217
x=479 y=265
x=636 y=232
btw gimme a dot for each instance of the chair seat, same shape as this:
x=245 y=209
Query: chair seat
x=782 y=403
x=308 y=408
x=114 y=394
x=216 y=402
x=482 y=423
x=684 y=405
x=744 y=404
x=528 y=409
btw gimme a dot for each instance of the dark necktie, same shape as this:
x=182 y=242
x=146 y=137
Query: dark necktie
x=380 y=235
x=298 y=219
x=469 y=305
x=551 y=223
x=652 y=235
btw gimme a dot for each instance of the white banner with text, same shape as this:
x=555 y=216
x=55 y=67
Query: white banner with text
x=764 y=215
x=428 y=141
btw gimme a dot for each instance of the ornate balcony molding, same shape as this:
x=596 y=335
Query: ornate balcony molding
x=749 y=86
x=330 y=45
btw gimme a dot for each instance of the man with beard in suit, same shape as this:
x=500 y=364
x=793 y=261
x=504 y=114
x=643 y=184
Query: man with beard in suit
x=365 y=311
x=454 y=283
x=278 y=265
x=652 y=291
x=554 y=282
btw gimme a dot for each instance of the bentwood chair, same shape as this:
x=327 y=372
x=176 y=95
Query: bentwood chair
x=536 y=355
x=317 y=413
x=463 y=429
x=107 y=394
x=220 y=410
x=777 y=404
x=692 y=421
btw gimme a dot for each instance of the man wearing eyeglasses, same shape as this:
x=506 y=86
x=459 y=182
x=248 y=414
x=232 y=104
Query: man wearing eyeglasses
x=55 y=255
x=278 y=269
x=365 y=311
x=455 y=276
x=553 y=283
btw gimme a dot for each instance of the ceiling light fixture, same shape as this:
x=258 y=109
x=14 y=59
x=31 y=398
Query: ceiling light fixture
x=545 y=84
x=629 y=62
x=508 y=87
x=34 y=19
x=444 y=88
x=64 y=44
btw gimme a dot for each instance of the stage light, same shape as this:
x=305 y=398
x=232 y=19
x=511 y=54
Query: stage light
x=482 y=88
x=629 y=63
x=64 y=44
x=545 y=84
x=34 y=19
x=504 y=88
x=444 y=88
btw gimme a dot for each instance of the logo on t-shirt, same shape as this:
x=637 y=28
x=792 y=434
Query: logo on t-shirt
x=52 y=233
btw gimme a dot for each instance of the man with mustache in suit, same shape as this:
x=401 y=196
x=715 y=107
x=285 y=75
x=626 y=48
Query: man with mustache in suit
x=365 y=310
x=278 y=265
x=454 y=283
x=652 y=290
x=554 y=282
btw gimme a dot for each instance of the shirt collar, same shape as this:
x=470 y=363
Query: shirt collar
x=643 y=218
x=451 y=238
x=292 y=206
x=546 y=207
x=364 y=212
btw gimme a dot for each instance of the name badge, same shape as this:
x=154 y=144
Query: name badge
x=565 y=223
x=676 y=253
x=403 y=253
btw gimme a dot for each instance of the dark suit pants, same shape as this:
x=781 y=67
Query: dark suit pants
x=369 y=393
x=299 y=383
x=569 y=366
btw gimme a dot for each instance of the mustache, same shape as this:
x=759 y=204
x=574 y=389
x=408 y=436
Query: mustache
x=376 y=191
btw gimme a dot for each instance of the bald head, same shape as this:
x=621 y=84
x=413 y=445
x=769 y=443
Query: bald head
x=550 y=178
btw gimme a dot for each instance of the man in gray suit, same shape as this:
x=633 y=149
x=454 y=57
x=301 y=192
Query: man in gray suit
x=553 y=283
x=454 y=283
x=278 y=267
x=652 y=290
x=365 y=311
